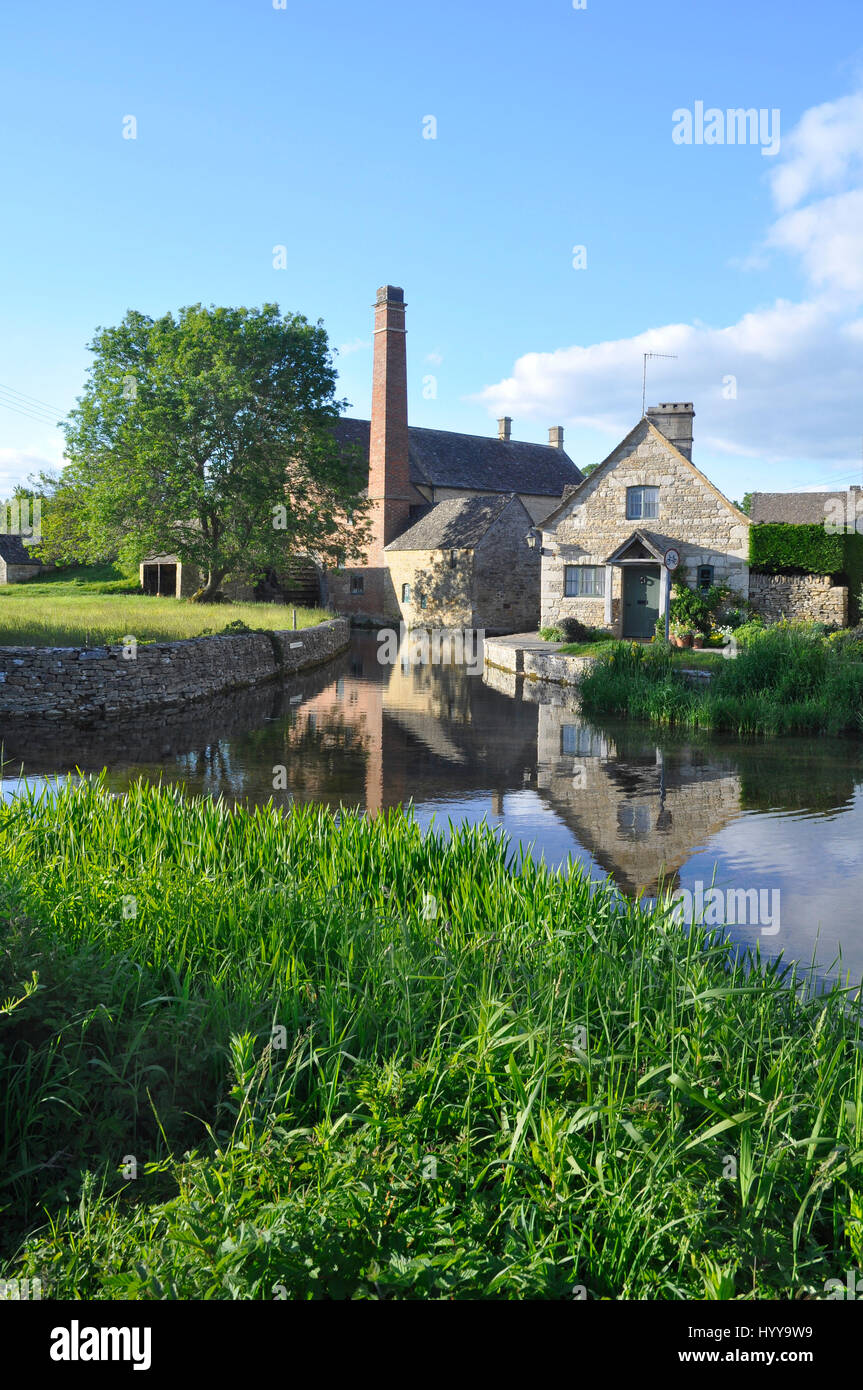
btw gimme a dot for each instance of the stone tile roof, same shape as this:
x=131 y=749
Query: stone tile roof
x=459 y=523
x=444 y=458
x=654 y=541
x=14 y=552
x=798 y=508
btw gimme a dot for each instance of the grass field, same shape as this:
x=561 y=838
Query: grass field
x=293 y=1056
x=98 y=606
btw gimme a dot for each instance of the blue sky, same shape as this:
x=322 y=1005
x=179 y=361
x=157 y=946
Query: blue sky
x=260 y=127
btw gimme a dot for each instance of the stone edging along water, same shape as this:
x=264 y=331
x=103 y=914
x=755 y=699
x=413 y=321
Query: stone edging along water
x=540 y=661
x=85 y=685
x=535 y=659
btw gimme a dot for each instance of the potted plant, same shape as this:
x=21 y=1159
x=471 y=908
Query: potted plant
x=680 y=633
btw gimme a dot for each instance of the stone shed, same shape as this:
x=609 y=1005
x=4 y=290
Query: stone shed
x=469 y=563
x=16 y=562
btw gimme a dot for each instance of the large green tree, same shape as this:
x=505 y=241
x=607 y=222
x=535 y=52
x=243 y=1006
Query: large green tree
x=209 y=435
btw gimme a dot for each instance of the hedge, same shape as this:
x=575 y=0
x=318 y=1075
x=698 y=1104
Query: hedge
x=779 y=547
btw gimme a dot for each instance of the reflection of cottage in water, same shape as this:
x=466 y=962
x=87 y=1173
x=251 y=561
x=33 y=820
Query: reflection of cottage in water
x=639 y=809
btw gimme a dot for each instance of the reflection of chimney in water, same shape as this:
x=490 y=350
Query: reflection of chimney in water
x=497 y=803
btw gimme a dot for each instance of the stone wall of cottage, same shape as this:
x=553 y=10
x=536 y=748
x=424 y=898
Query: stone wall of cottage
x=507 y=575
x=705 y=527
x=16 y=574
x=800 y=597
x=442 y=580
x=87 y=685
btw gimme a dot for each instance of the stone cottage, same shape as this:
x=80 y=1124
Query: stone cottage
x=468 y=563
x=604 y=547
x=16 y=563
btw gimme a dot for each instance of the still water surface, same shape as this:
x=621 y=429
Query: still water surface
x=619 y=798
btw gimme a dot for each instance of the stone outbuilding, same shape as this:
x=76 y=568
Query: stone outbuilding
x=16 y=562
x=604 y=547
x=468 y=563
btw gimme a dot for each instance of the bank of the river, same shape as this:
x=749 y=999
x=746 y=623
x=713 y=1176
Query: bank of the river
x=786 y=679
x=528 y=654
x=87 y=685
x=395 y=1065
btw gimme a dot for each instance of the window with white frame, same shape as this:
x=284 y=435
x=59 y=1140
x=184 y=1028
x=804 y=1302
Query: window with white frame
x=642 y=503
x=584 y=581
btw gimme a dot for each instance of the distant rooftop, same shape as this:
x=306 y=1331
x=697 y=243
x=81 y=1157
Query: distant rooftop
x=480 y=463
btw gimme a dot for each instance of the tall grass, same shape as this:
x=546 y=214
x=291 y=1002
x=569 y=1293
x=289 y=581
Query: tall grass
x=785 y=681
x=50 y=619
x=351 y=1060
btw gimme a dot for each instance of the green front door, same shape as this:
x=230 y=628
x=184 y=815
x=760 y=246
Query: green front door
x=640 y=600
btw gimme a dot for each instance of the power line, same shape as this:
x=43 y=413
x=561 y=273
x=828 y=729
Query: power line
x=55 y=409
x=39 y=419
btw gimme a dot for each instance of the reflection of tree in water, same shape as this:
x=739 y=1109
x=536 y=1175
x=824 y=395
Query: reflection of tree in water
x=325 y=754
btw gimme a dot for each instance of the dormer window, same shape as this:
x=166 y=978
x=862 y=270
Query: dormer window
x=642 y=503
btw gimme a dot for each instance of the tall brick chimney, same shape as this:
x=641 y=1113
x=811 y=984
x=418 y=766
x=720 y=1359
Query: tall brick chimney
x=675 y=420
x=389 y=472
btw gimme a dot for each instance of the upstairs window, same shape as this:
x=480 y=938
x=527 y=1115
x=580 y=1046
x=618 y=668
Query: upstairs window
x=584 y=581
x=406 y=593
x=642 y=503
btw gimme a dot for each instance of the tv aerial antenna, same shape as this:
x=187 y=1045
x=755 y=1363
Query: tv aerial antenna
x=648 y=357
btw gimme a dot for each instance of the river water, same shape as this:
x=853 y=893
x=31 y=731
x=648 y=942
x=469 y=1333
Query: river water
x=769 y=834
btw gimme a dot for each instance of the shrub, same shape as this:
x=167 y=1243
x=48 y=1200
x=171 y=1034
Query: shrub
x=575 y=631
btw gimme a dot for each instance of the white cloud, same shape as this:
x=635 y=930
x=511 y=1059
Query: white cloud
x=827 y=236
x=435 y=358
x=780 y=384
x=16 y=465
x=358 y=345
x=824 y=149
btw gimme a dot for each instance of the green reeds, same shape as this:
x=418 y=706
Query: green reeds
x=280 y=1056
x=785 y=681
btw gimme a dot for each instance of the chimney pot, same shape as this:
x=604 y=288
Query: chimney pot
x=555 y=436
x=504 y=427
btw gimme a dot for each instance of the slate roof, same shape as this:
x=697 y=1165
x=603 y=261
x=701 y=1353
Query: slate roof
x=480 y=463
x=459 y=523
x=14 y=552
x=799 y=508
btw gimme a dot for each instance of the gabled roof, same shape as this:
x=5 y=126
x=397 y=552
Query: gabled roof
x=798 y=508
x=459 y=523
x=14 y=552
x=476 y=462
x=653 y=541
x=611 y=459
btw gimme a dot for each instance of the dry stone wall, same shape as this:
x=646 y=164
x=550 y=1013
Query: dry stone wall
x=87 y=685
x=799 y=596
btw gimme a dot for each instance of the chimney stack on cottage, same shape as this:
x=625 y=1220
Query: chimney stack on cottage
x=555 y=436
x=504 y=427
x=674 y=420
x=389 y=468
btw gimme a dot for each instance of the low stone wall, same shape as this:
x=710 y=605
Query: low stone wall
x=565 y=670
x=536 y=665
x=799 y=596
x=84 y=686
